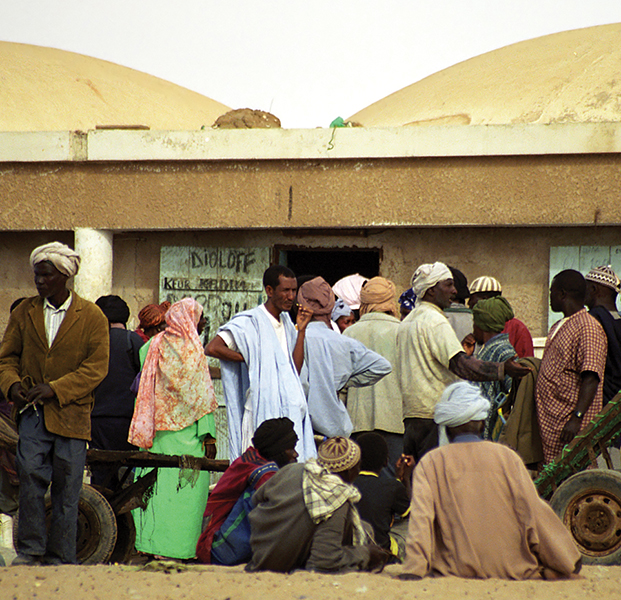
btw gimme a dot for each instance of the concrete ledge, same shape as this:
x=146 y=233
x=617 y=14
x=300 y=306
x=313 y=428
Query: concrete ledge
x=284 y=144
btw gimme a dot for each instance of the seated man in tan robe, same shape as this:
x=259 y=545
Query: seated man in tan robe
x=475 y=511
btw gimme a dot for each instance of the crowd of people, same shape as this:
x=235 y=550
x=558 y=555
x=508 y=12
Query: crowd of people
x=364 y=426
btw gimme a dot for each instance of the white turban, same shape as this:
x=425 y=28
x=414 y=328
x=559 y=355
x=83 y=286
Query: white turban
x=459 y=404
x=348 y=289
x=427 y=275
x=66 y=260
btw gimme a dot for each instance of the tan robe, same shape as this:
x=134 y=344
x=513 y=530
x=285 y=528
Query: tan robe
x=475 y=513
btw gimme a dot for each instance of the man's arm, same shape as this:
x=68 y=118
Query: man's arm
x=473 y=369
x=302 y=320
x=217 y=348
x=368 y=366
x=586 y=395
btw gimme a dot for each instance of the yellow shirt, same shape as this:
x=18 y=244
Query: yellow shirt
x=426 y=343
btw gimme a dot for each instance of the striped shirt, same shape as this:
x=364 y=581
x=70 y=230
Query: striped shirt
x=54 y=318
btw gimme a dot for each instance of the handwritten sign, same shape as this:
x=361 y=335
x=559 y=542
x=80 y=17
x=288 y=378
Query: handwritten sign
x=224 y=281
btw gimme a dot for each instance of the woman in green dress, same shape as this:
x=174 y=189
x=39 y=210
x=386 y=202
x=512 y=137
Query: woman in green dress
x=174 y=415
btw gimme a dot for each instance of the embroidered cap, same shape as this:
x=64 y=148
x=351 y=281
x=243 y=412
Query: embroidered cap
x=605 y=276
x=338 y=454
x=485 y=284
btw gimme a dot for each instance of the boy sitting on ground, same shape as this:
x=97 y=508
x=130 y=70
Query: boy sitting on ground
x=384 y=498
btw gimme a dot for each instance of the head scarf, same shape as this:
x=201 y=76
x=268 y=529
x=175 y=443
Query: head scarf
x=114 y=307
x=274 y=436
x=348 y=289
x=340 y=310
x=175 y=387
x=317 y=295
x=459 y=404
x=66 y=260
x=485 y=284
x=605 y=276
x=338 y=454
x=378 y=295
x=492 y=314
x=427 y=275
x=461 y=285
x=408 y=299
x=153 y=315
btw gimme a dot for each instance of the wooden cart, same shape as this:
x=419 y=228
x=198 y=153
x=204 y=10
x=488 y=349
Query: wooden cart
x=106 y=531
x=586 y=498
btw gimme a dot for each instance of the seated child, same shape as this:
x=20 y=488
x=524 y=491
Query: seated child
x=383 y=498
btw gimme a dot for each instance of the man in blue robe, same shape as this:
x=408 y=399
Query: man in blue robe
x=261 y=357
x=332 y=362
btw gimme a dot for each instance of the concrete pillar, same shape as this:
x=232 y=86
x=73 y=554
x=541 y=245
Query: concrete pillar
x=94 y=279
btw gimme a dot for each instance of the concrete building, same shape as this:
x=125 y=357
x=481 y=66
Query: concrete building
x=519 y=156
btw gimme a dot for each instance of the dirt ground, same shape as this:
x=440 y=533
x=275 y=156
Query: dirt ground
x=160 y=581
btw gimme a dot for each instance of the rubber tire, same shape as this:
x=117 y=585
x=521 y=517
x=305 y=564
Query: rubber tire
x=97 y=528
x=125 y=545
x=594 y=481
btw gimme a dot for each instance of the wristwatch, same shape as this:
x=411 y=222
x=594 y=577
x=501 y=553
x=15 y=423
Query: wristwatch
x=578 y=414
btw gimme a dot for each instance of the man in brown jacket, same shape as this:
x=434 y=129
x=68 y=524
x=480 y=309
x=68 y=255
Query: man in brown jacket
x=53 y=355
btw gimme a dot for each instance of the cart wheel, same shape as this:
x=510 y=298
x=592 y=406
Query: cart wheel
x=97 y=529
x=126 y=531
x=125 y=540
x=589 y=503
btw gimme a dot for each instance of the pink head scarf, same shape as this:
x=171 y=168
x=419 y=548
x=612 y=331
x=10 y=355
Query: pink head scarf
x=175 y=386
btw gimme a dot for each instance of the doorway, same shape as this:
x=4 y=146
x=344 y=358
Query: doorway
x=330 y=263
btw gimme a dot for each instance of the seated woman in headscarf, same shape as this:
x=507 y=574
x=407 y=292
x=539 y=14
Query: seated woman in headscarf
x=174 y=416
x=226 y=530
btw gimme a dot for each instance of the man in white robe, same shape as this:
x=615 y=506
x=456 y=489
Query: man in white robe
x=261 y=356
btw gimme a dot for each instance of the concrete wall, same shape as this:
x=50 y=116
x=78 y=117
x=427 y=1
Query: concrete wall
x=370 y=193
x=517 y=256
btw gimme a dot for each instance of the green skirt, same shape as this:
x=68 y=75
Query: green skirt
x=171 y=524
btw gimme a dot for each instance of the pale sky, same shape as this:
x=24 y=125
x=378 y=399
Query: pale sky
x=305 y=61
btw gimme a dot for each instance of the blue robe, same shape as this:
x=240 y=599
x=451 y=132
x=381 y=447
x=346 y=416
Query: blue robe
x=331 y=363
x=266 y=385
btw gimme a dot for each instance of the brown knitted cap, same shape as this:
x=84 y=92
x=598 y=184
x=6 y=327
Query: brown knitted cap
x=338 y=454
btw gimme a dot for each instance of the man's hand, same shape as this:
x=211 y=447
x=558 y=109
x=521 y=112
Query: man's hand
x=304 y=317
x=378 y=557
x=513 y=369
x=17 y=395
x=572 y=427
x=40 y=393
x=209 y=444
x=404 y=466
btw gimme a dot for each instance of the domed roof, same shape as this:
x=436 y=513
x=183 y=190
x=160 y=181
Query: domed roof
x=44 y=89
x=568 y=77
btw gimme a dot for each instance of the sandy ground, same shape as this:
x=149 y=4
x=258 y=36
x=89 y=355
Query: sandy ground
x=158 y=581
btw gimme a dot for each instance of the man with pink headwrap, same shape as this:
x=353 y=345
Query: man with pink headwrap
x=332 y=362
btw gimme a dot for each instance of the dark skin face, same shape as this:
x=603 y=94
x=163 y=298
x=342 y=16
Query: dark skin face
x=345 y=322
x=441 y=294
x=201 y=324
x=404 y=312
x=474 y=298
x=351 y=474
x=281 y=298
x=556 y=297
x=51 y=283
